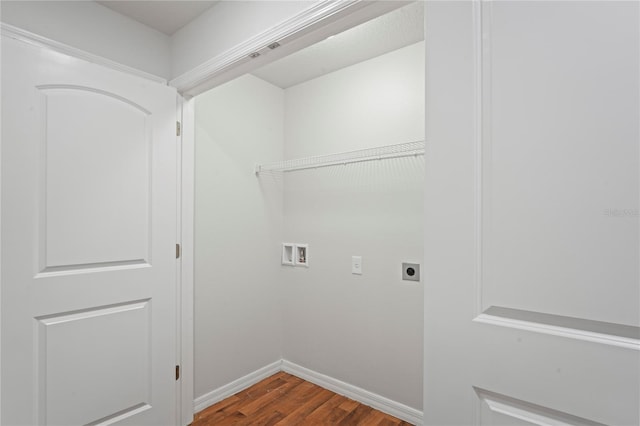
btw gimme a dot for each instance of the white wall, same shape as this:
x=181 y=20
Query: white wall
x=93 y=28
x=364 y=330
x=238 y=228
x=225 y=26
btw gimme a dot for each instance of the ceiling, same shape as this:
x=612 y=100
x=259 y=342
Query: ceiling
x=164 y=16
x=396 y=29
x=376 y=37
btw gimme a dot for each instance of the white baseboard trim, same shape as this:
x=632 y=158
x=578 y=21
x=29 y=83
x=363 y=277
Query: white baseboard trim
x=371 y=399
x=236 y=386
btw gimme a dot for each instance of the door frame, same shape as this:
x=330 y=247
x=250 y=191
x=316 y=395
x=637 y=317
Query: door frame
x=186 y=212
x=302 y=30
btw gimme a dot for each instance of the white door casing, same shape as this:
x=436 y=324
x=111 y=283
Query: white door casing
x=532 y=296
x=88 y=242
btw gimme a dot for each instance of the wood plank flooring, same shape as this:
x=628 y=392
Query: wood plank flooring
x=284 y=399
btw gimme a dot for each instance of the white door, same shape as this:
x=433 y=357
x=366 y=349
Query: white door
x=88 y=243
x=532 y=298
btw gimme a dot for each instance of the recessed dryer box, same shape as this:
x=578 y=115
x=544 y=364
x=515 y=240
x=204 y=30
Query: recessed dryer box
x=410 y=271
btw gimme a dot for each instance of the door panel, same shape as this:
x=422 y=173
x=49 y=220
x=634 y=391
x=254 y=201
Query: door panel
x=560 y=160
x=88 y=243
x=97 y=186
x=110 y=336
x=532 y=298
x=501 y=410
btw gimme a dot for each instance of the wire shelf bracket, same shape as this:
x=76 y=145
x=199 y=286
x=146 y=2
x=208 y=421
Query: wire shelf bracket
x=409 y=149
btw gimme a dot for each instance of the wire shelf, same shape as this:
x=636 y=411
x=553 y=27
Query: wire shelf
x=408 y=149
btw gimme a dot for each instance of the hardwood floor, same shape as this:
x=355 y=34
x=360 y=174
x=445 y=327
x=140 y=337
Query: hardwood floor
x=284 y=399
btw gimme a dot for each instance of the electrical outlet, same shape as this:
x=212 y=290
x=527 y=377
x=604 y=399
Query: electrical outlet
x=411 y=271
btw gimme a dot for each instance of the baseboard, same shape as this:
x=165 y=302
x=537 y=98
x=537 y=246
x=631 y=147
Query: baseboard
x=236 y=386
x=371 y=399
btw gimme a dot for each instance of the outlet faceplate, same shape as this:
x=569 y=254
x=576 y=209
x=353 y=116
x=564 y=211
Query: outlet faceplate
x=411 y=271
x=356 y=265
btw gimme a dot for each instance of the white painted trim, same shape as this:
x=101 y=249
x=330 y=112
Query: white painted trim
x=38 y=40
x=363 y=396
x=1 y=284
x=236 y=386
x=528 y=412
x=312 y=25
x=186 y=234
x=371 y=399
x=553 y=330
x=288 y=28
x=478 y=142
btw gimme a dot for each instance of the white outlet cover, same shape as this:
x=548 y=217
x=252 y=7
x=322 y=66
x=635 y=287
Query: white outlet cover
x=356 y=265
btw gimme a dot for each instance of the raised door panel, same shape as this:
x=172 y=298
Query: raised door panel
x=501 y=410
x=559 y=166
x=96 y=182
x=94 y=364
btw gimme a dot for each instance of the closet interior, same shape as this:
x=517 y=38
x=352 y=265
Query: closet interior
x=309 y=199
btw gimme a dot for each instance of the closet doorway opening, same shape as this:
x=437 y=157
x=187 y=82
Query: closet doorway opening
x=309 y=204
